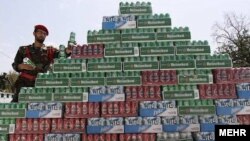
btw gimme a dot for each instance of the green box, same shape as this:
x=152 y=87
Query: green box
x=193 y=50
x=71 y=97
x=138 y=66
x=177 y=64
x=147 y=10
x=121 y=52
x=57 y=82
x=214 y=64
x=98 y=67
x=138 y=37
x=7 y=129
x=195 y=79
x=188 y=94
x=173 y=36
x=87 y=82
x=143 y=23
x=69 y=67
x=12 y=113
x=126 y=81
x=197 y=110
x=38 y=97
x=157 y=51
x=104 y=38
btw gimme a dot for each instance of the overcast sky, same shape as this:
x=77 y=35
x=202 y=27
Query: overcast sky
x=18 y=17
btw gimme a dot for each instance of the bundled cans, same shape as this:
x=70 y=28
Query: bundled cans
x=157 y=78
x=157 y=105
x=107 y=90
x=142 y=93
x=143 y=121
x=119 y=109
x=100 y=137
x=82 y=109
x=173 y=136
x=138 y=137
x=105 y=121
x=45 y=106
x=208 y=119
x=170 y=120
x=217 y=91
x=68 y=125
x=26 y=137
x=189 y=119
x=62 y=137
x=88 y=51
x=228 y=119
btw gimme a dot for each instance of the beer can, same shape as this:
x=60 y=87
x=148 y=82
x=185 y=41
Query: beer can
x=116 y=108
x=53 y=124
x=96 y=108
x=134 y=107
x=18 y=124
x=84 y=108
x=110 y=108
x=35 y=125
x=104 y=108
x=83 y=123
x=24 y=125
x=68 y=108
x=146 y=91
x=90 y=108
x=30 y=125
x=60 y=124
x=41 y=125
x=134 y=92
x=128 y=92
x=79 y=108
x=140 y=94
x=121 y=108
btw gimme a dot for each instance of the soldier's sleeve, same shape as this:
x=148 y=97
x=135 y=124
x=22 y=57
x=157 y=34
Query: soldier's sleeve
x=18 y=59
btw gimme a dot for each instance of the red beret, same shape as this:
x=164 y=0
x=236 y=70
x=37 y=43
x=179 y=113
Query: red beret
x=42 y=27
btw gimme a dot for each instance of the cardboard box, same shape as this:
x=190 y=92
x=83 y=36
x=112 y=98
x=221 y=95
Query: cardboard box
x=193 y=50
x=105 y=129
x=138 y=37
x=106 y=97
x=158 y=112
x=118 y=22
x=195 y=79
x=200 y=64
x=143 y=129
x=69 y=67
x=7 y=129
x=197 y=110
x=38 y=97
x=173 y=36
x=99 y=67
x=126 y=81
x=138 y=66
x=12 y=113
x=243 y=90
x=57 y=82
x=149 y=23
x=177 y=64
x=69 y=97
x=188 y=94
x=157 y=51
x=121 y=52
x=87 y=82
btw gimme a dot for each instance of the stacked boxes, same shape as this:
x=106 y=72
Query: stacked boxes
x=138 y=78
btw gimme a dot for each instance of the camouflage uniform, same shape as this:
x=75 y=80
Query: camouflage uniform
x=41 y=57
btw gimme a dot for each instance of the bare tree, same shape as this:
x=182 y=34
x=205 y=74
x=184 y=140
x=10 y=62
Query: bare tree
x=233 y=37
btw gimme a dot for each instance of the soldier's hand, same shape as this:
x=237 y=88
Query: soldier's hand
x=69 y=50
x=25 y=67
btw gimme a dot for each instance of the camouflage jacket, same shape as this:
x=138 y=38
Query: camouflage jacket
x=39 y=56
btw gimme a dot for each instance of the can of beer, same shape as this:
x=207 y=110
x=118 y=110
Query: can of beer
x=90 y=108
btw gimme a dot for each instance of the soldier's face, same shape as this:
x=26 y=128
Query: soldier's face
x=40 y=36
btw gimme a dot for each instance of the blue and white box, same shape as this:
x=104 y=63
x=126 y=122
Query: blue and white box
x=143 y=125
x=118 y=22
x=243 y=90
x=105 y=94
x=187 y=123
x=44 y=110
x=233 y=107
x=207 y=122
x=158 y=108
x=105 y=125
x=204 y=136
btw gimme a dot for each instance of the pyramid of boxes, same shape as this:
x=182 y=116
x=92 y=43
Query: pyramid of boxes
x=138 y=78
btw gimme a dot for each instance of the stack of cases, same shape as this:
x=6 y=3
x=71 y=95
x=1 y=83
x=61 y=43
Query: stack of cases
x=138 y=78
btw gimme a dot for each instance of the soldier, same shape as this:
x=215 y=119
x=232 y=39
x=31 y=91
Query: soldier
x=37 y=54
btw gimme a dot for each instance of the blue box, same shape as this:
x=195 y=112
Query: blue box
x=243 y=90
x=106 y=97
x=44 y=114
x=207 y=127
x=181 y=128
x=158 y=112
x=143 y=129
x=237 y=110
x=118 y=22
x=105 y=129
x=204 y=136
